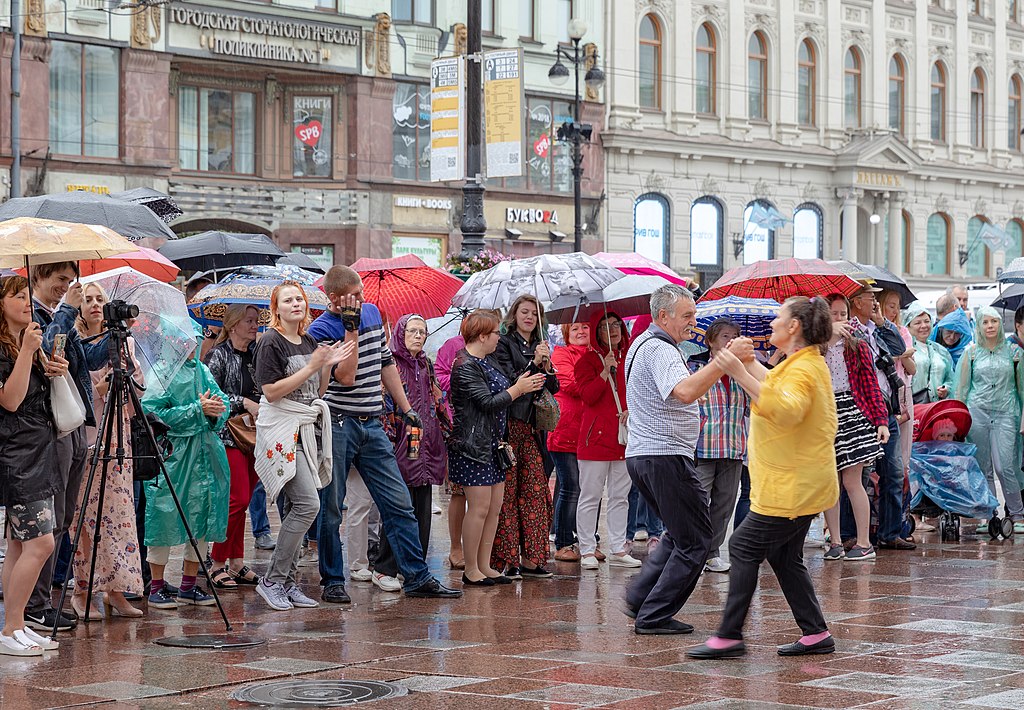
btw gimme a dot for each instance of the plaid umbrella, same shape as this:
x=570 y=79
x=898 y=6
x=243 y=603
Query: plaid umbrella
x=780 y=279
x=210 y=305
x=881 y=277
x=754 y=317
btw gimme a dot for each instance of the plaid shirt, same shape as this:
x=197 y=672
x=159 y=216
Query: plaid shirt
x=864 y=384
x=723 y=420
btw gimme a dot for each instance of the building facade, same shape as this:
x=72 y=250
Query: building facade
x=883 y=131
x=307 y=120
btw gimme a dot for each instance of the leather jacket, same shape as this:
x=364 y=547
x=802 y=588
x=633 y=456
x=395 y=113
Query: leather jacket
x=479 y=416
x=515 y=357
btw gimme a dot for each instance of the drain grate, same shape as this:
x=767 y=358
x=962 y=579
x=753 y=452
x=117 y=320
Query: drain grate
x=317 y=693
x=211 y=641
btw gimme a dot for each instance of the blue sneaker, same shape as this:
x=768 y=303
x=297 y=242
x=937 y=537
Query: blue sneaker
x=161 y=600
x=170 y=589
x=195 y=596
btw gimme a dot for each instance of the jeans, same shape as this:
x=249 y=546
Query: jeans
x=743 y=502
x=301 y=508
x=890 y=487
x=363 y=444
x=567 y=471
x=641 y=516
x=594 y=477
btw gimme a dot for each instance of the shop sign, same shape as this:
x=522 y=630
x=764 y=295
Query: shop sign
x=97 y=189
x=531 y=216
x=447 y=118
x=430 y=249
x=503 y=111
x=876 y=179
x=425 y=203
x=323 y=254
x=311 y=150
x=649 y=225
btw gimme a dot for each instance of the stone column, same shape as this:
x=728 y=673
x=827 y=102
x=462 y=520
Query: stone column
x=894 y=262
x=848 y=249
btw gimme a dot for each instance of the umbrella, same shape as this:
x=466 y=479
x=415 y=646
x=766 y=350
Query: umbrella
x=27 y=241
x=628 y=297
x=142 y=259
x=163 y=206
x=210 y=305
x=300 y=260
x=780 y=279
x=209 y=251
x=754 y=317
x=629 y=262
x=882 y=278
x=164 y=335
x=280 y=272
x=547 y=277
x=129 y=219
x=1013 y=273
x=1011 y=299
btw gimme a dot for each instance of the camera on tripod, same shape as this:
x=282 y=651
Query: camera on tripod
x=117 y=311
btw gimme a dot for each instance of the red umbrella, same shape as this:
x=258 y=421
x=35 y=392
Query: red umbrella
x=780 y=279
x=146 y=261
x=405 y=284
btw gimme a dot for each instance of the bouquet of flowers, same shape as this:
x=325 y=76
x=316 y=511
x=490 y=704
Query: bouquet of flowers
x=456 y=263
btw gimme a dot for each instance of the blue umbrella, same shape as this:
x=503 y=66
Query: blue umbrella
x=754 y=317
x=210 y=305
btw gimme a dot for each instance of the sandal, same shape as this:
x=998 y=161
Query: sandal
x=456 y=565
x=244 y=576
x=222 y=580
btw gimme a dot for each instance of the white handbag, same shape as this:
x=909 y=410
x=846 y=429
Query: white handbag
x=66 y=402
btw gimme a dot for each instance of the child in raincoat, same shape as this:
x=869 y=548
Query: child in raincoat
x=195 y=409
x=990 y=381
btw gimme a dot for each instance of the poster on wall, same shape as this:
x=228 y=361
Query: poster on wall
x=704 y=234
x=311 y=143
x=322 y=254
x=430 y=249
x=649 y=227
x=447 y=119
x=503 y=112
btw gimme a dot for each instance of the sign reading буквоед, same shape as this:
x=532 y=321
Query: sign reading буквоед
x=447 y=119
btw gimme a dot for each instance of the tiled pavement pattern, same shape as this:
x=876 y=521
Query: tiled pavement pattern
x=940 y=627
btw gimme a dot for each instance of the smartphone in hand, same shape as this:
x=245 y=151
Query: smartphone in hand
x=60 y=341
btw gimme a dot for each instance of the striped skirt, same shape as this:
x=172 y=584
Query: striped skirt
x=856 y=439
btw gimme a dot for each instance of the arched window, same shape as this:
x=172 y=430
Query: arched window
x=757 y=77
x=707 y=56
x=706 y=227
x=807 y=83
x=1016 y=232
x=807 y=231
x=651 y=236
x=897 y=93
x=650 y=62
x=851 y=88
x=1013 y=114
x=938 y=96
x=758 y=242
x=978 y=108
x=1013 y=13
x=940 y=234
x=977 y=250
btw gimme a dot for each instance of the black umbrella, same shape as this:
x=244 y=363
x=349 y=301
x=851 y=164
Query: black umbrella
x=300 y=260
x=162 y=205
x=211 y=251
x=882 y=277
x=129 y=219
x=1011 y=299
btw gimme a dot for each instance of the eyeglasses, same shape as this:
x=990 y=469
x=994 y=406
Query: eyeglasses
x=416 y=331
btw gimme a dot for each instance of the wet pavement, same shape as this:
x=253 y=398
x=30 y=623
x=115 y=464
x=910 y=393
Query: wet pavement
x=942 y=626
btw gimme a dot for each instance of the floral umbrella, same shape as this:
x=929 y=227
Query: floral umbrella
x=210 y=305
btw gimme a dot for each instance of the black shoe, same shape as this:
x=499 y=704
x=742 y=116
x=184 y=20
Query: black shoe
x=897 y=544
x=501 y=579
x=132 y=597
x=485 y=582
x=669 y=627
x=43 y=621
x=513 y=573
x=537 y=572
x=629 y=611
x=706 y=653
x=432 y=589
x=826 y=645
x=336 y=594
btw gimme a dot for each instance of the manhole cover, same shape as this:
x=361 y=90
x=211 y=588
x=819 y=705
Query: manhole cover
x=317 y=693
x=211 y=641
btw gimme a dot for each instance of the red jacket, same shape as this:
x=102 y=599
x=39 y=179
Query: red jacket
x=563 y=438
x=599 y=425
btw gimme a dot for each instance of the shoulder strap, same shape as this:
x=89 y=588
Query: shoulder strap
x=653 y=337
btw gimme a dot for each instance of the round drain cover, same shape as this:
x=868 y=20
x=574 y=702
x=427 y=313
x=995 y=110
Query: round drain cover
x=317 y=693
x=211 y=641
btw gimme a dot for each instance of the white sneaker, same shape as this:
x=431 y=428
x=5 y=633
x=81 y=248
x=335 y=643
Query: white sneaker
x=717 y=564
x=640 y=536
x=624 y=560
x=386 y=583
x=589 y=562
x=436 y=509
x=360 y=575
x=274 y=594
x=300 y=600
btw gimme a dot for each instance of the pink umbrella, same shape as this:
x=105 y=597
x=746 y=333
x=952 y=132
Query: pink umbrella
x=629 y=262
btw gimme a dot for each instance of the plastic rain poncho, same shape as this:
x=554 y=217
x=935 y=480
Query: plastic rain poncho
x=934 y=364
x=958 y=322
x=198 y=466
x=991 y=383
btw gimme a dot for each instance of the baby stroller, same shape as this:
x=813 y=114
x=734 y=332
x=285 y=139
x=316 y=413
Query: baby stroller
x=945 y=479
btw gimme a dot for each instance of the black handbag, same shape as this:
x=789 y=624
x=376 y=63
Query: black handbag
x=145 y=457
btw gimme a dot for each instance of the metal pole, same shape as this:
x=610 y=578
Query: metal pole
x=577 y=157
x=16 y=23
x=473 y=224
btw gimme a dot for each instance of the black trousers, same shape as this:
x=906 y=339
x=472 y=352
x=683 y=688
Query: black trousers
x=781 y=542
x=670 y=486
x=422 y=507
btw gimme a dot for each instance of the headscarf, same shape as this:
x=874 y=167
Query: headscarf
x=398 y=348
x=958 y=322
x=913 y=311
x=979 y=337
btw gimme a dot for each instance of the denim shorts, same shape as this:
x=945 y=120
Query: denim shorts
x=30 y=520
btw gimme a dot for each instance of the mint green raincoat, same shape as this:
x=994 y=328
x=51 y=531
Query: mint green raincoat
x=934 y=364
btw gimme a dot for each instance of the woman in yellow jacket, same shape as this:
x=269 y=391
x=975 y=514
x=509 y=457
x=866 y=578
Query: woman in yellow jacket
x=792 y=475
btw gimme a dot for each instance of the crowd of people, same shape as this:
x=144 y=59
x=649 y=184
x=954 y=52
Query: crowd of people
x=345 y=418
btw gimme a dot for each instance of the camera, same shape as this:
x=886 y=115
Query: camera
x=117 y=311
x=887 y=366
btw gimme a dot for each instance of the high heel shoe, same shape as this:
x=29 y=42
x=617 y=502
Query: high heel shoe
x=79 y=604
x=121 y=608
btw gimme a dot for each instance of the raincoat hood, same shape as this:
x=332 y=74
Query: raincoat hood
x=595 y=322
x=398 y=348
x=958 y=322
x=979 y=336
x=913 y=311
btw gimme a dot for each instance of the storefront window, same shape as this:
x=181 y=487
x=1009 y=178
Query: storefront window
x=758 y=241
x=84 y=100
x=706 y=232
x=807 y=232
x=216 y=130
x=977 y=251
x=411 y=132
x=650 y=227
x=1016 y=232
x=550 y=160
x=311 y=136
x=937 y=245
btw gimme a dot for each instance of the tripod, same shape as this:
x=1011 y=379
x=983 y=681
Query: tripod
x=122 y=391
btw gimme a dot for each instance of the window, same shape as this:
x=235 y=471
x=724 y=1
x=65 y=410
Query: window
x=807 y=232
x=526 y=19
x=84 y=100
x=706 y=70
x=216 y=130
x=977 y=251
x=549 y=161
x=757 y=77
x=937 y=245
x=807 y=82
x=419 y=11
x=650 y=227
x=411 y=132
x=1013 y=114
x=978 y=109
x=974 y=7
x=851 y=89
x=706 y=227
x=938 y=96
x=487 y=16
x=897 y=93
x=327 y=5
x=1016 y=232
x=1013 y=12
x=907 y=234
x=650 y=62
x=563 y=13
x=758 y=242
x=311 y=141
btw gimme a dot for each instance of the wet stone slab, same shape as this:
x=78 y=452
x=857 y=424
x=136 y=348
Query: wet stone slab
x=882 y=683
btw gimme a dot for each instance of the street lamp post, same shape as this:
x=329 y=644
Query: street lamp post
x=576 y=132
x=473 y=224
